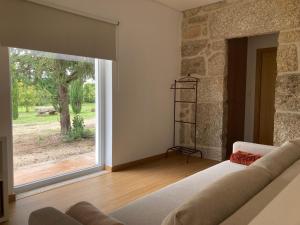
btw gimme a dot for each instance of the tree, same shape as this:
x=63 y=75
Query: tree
x=89 y=93
x=28 y=95
x=43 y=97
x=15 y=99
x=76 y=95
x=54 y=73
x=64 y=73
x=14 y=90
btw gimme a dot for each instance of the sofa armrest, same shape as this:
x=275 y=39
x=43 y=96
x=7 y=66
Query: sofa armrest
x=50 y=216
x=252 y=148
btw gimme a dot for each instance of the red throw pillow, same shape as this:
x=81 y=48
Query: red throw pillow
x=244 y=158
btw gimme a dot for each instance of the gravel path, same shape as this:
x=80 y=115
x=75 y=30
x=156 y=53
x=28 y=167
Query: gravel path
x=40 y=143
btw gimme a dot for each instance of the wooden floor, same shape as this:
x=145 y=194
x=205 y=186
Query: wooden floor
x=113 y=190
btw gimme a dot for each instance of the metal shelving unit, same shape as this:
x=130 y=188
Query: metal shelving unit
x=187 y=83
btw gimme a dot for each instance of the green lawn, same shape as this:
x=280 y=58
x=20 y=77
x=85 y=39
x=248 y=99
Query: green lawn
x=32 y=117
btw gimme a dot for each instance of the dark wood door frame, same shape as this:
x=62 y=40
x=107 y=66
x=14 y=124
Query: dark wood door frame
x=236 y=87
x=258 y=78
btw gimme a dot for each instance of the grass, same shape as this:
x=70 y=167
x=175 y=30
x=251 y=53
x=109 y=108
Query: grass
x=32 y=118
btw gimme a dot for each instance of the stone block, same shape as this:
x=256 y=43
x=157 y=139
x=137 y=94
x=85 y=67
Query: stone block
x=211 y=89
x=286 y=127
x=288 y=93
x=191 y=12
x=288 y=84
x=247 y=18
x=193 y=48
x=287 y=103
x=287 y=58
x=289 y=36
x=199 y=31
x=186 y=95
x=204 y=9
x=186 y=135
x=195 y=27
x=218 y=46
x=193 y=66
x=212 y=153
x=216 y=64
x=197 y=20
x=210 y=120
x=186 y=113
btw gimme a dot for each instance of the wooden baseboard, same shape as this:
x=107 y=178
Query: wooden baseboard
x=108 y=168
x=134 y=163
x=12 y=198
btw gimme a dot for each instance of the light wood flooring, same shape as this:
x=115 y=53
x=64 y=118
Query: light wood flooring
x=111 y=191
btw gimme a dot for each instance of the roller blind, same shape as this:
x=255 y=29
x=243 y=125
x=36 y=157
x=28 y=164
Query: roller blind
x=31 y=26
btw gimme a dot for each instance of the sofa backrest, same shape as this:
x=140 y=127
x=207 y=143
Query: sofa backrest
x=255 y=205
x=253 y=148
x=224 y=197
x=278 y=161
x=283 y=209
x=220 y=199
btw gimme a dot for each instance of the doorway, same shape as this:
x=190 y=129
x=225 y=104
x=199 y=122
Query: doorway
x=266 y=69
x=251 y=89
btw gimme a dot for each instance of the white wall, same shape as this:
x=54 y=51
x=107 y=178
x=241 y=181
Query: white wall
x=254 y=43
x=5 y=111
x=148 y=62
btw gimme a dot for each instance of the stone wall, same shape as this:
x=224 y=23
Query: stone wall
x=204 y=54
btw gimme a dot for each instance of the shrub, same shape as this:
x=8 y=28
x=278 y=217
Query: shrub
x=78 y=130
x=76 y=96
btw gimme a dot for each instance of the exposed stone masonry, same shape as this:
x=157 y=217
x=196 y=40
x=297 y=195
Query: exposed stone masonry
x=204 y=54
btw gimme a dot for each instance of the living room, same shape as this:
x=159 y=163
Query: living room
x=215 y=84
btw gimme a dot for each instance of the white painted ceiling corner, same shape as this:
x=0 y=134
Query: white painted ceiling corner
x=182 y=5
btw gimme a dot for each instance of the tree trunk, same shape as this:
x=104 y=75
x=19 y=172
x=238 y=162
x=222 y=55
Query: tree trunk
x=63 y=101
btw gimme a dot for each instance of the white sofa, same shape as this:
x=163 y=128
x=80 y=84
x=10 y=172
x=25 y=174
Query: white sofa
x=153 y=208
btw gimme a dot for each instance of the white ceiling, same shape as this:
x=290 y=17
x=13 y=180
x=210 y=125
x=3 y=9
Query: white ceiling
x=186 y=4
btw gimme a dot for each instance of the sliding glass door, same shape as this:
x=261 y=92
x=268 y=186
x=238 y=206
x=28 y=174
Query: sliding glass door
x=56 y=111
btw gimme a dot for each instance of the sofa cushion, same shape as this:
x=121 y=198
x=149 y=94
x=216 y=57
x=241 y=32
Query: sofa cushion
x=153 y=208
x=50 y=216
x=220 y=199
x=255 y=205
x=278 y=161
x=87 y=214
x=283 y=209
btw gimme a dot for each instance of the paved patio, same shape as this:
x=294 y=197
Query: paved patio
x=50 y=169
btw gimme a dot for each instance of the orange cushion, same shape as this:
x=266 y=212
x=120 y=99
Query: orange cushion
x=244 y=158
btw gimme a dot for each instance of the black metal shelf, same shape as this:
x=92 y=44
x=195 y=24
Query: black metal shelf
x=179 y=121
x=183 y=88
x=186 y=102
x=182 y=149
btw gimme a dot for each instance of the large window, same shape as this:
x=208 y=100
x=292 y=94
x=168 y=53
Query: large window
x=56 y=119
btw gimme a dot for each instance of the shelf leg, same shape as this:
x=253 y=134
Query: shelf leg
x=188 y=159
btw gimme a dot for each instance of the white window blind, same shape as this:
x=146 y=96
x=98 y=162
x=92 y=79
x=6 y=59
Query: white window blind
x=31 y=26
